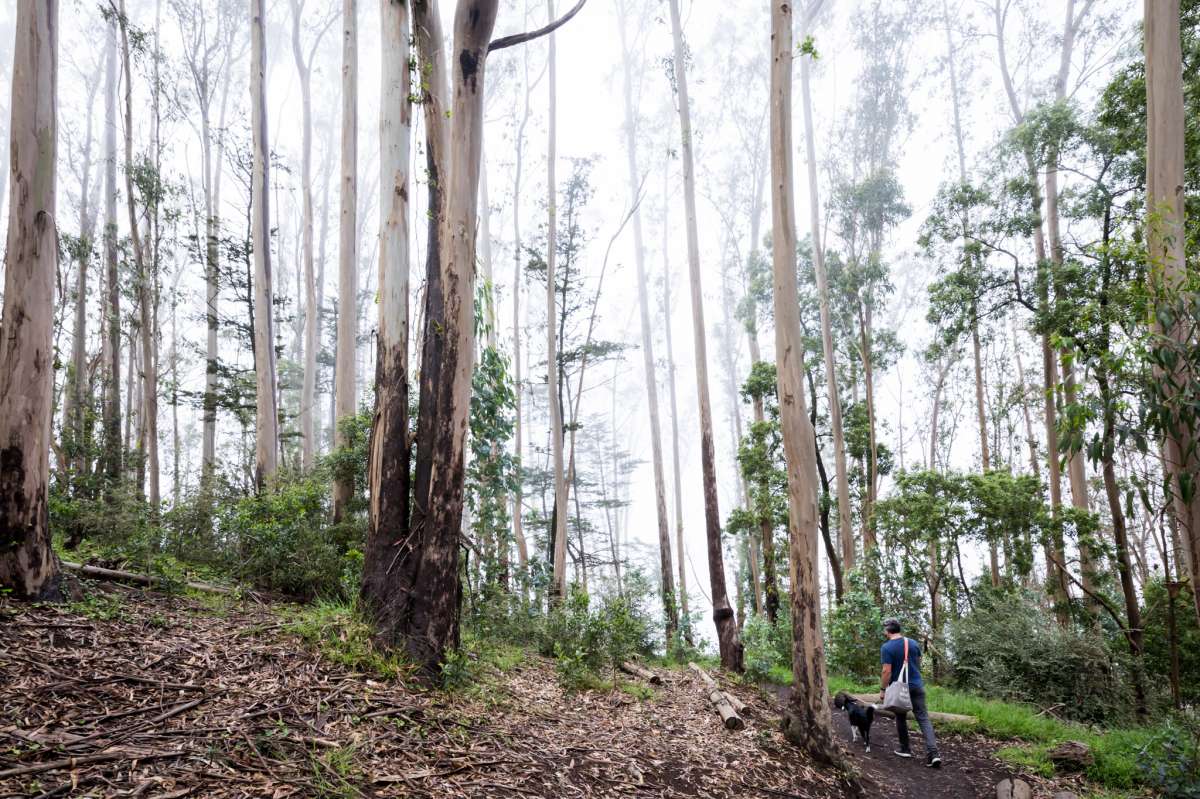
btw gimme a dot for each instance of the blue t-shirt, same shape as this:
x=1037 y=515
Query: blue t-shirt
x=893 y=652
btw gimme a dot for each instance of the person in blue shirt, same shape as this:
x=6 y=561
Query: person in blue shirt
x=891 y=656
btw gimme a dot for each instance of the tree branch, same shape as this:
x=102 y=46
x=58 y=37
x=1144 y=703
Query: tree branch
x=528 y=36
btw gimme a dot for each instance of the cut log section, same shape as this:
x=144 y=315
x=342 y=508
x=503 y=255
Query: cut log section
x=99 y=573
x=728 y=715
x=728 y=706
x=641 y=671
x=944 y=718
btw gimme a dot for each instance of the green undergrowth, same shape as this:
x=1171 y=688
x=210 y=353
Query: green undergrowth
x=340 y=635
x=1125 y=758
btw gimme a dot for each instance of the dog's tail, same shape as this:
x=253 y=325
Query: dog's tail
x=870 y=714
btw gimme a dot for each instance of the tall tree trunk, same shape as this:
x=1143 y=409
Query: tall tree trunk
x=149 y=407
x=559 y=532
x=308 y=395
x=28 y=566
x=75 y=414
x=1165 y=234
x=266 y=444
x=428 y=572
x=845 y=531
x=807 y=721
x=388 y=466
x=676 y=470
x=113 y=461
x=435 y=103
x=666 y=578
x=728 y=639
x=347 y=334
x=519 y=426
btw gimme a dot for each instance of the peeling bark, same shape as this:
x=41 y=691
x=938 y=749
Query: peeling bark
x=28 y=565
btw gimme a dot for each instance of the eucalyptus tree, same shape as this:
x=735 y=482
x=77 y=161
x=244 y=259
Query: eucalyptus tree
x=266 y=446
x=810 y=14
x=145 y=280
x=1172 y=283
x=666 y=579
x=869 y=202
x=414 y=604
x=558 y=532
x=304 y=55
x=28 y=566
x=345 y=388
x=113 y=462
x=807 y=720
x=729 y=640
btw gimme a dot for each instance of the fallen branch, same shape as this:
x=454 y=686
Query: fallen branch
x=99 y=573
x=639 y=671
x=83 y=760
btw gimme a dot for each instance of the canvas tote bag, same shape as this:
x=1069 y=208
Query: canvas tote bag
x=896 y=698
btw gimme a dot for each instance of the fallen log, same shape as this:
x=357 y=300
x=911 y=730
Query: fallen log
x=712 y=685
x=728 y=706
x=150 y=581
x=728 y=715
x=943 y=718
x=641 y=671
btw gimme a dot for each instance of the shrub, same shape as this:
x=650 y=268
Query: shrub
x=1171 y=763
x=286 y=543
x=1009 y=647
x=853 y=632
x=588 y=644
x=768 y=647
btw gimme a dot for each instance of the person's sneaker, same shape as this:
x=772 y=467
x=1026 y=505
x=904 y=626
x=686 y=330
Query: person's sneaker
x=933 y=760
x=902 y=753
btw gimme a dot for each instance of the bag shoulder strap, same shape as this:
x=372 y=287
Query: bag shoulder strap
x=904 y=668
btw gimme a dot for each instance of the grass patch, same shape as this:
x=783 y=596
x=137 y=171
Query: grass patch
x=99 y=607
x=337 y=632
x=640 y=692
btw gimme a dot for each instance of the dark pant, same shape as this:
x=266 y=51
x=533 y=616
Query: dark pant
x=919 y=710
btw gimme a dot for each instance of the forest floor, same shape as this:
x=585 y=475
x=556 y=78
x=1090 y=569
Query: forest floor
x=133 y=693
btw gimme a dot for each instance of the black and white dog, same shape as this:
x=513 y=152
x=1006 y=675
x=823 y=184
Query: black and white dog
x=861 y=717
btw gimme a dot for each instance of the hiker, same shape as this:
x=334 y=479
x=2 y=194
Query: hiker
x=892 y=656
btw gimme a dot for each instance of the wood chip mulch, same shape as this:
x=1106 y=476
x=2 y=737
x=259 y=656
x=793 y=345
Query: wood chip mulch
x=168 y=697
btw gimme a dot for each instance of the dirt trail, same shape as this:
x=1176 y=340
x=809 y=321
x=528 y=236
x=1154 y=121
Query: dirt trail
x=969 y=766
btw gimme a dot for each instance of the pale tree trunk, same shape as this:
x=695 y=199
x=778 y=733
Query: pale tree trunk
x=1165 y=234
x=807 y=720
x=667 y=581
x=841 y=473
x=28 y=566
x=559 y=534
x=266 y=444
x=113 y=450
x=727 y=632
x=308 y=395
x=519 y=427
x=865 y=339
x=74 y=416
x=388 y=465
x=677 y=473
x=347 y=332
x=149 y=407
